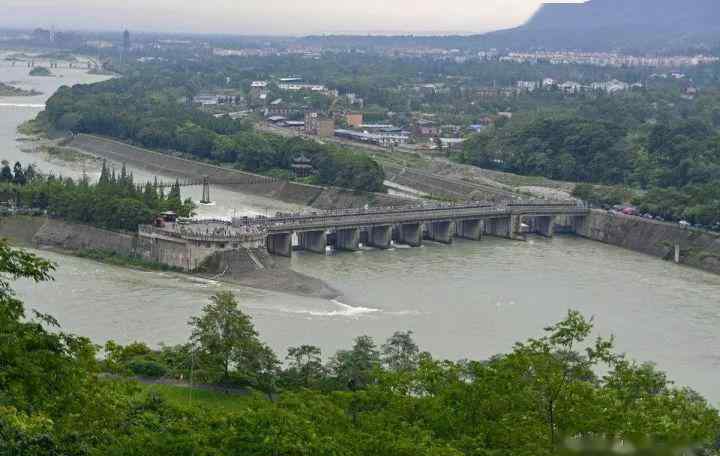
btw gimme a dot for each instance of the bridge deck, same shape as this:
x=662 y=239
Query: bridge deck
x=387 y=216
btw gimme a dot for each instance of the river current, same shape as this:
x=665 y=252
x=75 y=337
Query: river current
x=467 y=300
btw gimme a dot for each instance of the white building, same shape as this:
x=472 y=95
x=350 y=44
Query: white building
x=529 y=86
x=611 y=86
x=571 y=87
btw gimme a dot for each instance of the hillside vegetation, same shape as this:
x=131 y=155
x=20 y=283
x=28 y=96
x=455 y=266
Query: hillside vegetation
x=57 y=398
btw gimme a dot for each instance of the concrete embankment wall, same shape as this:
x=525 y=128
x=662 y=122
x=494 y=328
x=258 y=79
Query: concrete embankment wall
x=72 y=236
x=21 y=229
x=43 y=232
x=47 y=232
x=289 y=192
x=700 y=249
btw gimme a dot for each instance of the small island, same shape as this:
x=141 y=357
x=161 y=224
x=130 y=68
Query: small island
x=40 y=71
x=10 y=91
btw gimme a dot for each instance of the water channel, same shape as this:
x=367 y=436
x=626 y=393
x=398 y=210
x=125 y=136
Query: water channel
x=467 y=300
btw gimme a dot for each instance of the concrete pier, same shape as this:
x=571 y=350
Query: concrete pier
x=313 y=241
x=545 y=226
x=380 y=236
x=440 y=231
x=505 y=227
x=410 y=234
x=280 y=244
x=469 y=229
x=348 y=239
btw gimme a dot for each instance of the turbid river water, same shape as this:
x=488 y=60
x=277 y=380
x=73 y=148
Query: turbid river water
x=468 y=300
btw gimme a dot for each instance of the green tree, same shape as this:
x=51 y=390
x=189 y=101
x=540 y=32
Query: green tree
x=555 y=372
x=354 y=369
x=6 y=174
x=400 y=353
x=225 y=339
x=306 y=364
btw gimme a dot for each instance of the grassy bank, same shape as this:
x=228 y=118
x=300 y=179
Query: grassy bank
x=183 y=396
x=117 y=259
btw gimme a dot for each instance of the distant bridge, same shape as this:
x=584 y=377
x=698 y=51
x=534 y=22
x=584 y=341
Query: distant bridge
x=204 y=182
x=380 y=227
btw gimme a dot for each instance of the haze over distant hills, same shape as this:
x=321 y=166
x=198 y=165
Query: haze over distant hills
x=596 y=25
x=618 y=24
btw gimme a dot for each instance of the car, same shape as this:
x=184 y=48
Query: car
x=684 y=224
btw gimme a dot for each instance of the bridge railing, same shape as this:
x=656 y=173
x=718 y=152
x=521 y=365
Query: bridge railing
x=203 y=237
x=420 y=212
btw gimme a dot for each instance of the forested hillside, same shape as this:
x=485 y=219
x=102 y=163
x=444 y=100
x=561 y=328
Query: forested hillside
x=666 y=145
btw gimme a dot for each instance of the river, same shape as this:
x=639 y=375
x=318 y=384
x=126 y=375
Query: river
x=467 y=300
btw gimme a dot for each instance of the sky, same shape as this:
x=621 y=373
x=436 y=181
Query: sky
x=271 y=17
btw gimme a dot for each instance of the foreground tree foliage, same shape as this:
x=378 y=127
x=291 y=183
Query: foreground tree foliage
x=542 y=398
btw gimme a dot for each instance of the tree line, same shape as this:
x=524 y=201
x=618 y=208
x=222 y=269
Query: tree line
x=115 y=202
x=156 y=111
x=672 y=156
x=558 y=391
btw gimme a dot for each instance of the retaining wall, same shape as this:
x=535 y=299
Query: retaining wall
x=72 y=236
x=700 y=249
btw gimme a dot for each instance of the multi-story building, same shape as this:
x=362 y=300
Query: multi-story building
x=317 y=125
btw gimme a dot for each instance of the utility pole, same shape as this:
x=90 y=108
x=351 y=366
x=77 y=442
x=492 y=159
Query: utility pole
x=206 y=191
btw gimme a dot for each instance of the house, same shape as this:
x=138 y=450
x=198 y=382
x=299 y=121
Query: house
x=610 y=86
x=294 y=124
x=385 y=139
x=317 y=125
x=353 y=119
x=277 y=108
x=426 y=128
x=451 y=143
x=528 y=86
x=353 y=99
x=571 y=87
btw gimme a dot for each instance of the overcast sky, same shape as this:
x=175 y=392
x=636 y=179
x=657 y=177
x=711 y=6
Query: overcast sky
x=276 y=17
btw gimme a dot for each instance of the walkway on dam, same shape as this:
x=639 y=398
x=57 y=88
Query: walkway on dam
x=379 y=227
x=416 y=214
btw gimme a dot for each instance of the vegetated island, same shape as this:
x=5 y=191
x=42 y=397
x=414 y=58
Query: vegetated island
x=10 y=91
x=40 y=71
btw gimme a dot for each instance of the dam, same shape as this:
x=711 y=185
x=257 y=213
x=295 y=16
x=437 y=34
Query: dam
x=187 y=244
x=380 y=227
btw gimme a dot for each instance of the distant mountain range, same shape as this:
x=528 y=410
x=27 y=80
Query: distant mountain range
x=596 y=25
x=618 y=24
